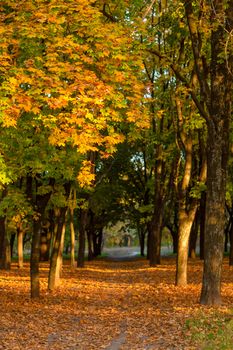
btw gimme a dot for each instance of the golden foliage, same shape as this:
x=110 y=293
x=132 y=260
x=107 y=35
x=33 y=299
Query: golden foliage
x=86 y=176
x=62 y=61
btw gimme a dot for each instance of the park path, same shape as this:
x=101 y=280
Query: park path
x=129 y=253
x=108 y=305
x=122 y=253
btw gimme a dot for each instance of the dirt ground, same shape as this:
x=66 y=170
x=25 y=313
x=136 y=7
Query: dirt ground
x=107 y=305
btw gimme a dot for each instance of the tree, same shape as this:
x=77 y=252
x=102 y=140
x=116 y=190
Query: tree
x=191 y=184
x=210 y=28
x=59 y=95
x=56 y=255
x=217 y=100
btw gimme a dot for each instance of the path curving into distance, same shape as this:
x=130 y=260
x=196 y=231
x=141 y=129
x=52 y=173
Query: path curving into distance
x=122 y=253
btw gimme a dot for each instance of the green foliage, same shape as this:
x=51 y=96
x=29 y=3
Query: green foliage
x=5 y=175
x=15 y=205
x=197 y=189
x=195 y=122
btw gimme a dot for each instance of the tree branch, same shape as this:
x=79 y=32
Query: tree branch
x=196 y=47
x=180 y=76
x=108 y=15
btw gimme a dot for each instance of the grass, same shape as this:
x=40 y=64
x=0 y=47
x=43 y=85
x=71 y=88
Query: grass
x=212 y=332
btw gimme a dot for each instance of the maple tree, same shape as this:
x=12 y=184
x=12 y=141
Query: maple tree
x=62 y=72
x=58 y=83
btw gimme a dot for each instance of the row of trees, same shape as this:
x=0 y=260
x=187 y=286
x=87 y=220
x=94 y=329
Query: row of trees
x=117 y=111
x=65 y=93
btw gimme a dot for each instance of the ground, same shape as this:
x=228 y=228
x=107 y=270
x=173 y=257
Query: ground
x=107 y=305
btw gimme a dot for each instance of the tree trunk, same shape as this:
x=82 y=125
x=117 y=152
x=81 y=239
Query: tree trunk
x=185 y=226
x=155 y=238
x=41 y=203
x=142 y=237
x=61 y=250
x=72 y=239
x=193 y=236
x=12 y=242
x=202 y=224
x=56 y=212
x=90 y=235
x=218 y=148
x=174 y=234
x=187 y=206
x=45 y=241
x=56 y=256
x=175 y=241
x=81 y=240
x=215 y=221
x=227 y=232
x=226 y=241
x=5 y=253
x=20 y=234
x=35 y=259
x=148 y=242
x=90 y=231
x=98 y=242
x=58 y=245
x=231 y=244
x=155 y=246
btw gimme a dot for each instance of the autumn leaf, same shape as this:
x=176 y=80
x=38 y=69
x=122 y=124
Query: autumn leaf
x=107 y=303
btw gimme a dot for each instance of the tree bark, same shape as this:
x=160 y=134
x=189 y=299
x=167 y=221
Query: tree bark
x=20 y=234
x=226 y=241
x=98 y=242
x=215 y=219
x=231 y=244
x=45 y=241
x=186 y=220
x=41 y=203
x=174 y=235
x=187 y=206
x=218 y=148
x=58 y=245
x=12 y=241
x=5 y=252
x=81 y=240
x=155 y=238
x=90 y=231
x=148 y=242
x=72 y=239
x=35 y=259
x=142 y=236
x=193 y=236
x=61 y=250
x=90 y=255
x=202 y=224
x=56 y=256
x=155 y=228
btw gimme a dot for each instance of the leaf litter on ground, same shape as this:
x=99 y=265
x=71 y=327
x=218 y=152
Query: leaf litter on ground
x=108 y=305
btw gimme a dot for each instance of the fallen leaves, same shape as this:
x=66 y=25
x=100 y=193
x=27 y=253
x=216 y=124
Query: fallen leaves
x=107 y=305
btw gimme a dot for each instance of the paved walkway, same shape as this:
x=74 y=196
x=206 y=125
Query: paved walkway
x=122 y=253
x=129 y=253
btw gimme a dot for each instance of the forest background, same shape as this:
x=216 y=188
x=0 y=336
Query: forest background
x=116 y=111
